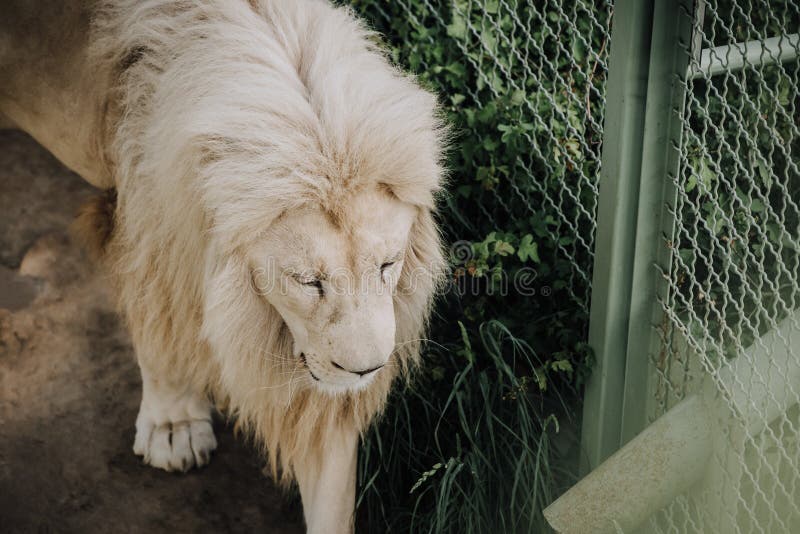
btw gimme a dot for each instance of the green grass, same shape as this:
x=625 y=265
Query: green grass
x=466 y=447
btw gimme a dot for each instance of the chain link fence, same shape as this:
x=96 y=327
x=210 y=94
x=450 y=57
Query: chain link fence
x=532 y=77
x=731 y=327
x=525 y=83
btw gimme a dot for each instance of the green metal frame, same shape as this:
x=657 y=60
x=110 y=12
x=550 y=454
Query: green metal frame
x=666 y=95
x=649 y=57
x=729 y=58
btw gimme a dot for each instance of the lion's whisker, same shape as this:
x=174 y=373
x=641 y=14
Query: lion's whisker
x=421 y=339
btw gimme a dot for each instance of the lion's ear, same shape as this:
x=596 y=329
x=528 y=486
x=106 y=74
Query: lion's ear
x=423 y=272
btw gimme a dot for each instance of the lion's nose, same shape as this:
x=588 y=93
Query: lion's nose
x=359 y=373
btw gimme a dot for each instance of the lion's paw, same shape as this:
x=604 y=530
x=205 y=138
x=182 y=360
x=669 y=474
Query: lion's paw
x=173 y=431
x=175 y=446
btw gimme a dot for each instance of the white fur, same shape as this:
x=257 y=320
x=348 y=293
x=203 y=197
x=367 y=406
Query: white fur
x=173 y=428
x=251 y=133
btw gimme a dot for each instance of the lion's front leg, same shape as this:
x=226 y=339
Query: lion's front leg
x=173 y=428
x=328 y=485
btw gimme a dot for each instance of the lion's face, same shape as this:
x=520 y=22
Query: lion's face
x=332 y=277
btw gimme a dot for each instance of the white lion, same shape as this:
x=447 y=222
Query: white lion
x=269 y=224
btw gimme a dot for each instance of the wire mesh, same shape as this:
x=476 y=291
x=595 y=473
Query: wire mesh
x=535 y=72
x=522 y=84
x=733 y=294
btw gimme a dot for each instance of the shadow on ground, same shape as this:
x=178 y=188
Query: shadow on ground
x=69 y=389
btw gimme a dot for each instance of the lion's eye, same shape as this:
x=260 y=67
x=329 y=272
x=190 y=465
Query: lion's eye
x=387 y=265
x=310 y=281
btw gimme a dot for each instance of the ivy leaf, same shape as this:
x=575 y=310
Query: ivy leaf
x=487 y=113
x=561 y=365
x=503 y=248
x=491 y=6
x=541 y=379
x=764 y=173
x=457 y=29
x=578 y=50
x=528 y=249
x=706 y=175
x=518 y=97
x=691 y=183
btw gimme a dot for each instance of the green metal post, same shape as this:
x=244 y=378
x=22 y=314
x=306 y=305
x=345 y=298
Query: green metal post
x=648 y=46
x=616 y=226
x=670 y=55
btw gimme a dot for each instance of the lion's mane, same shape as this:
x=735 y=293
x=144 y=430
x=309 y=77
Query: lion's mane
x=226 y=114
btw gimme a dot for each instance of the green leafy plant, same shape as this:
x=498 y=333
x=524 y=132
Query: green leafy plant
x=479 y=439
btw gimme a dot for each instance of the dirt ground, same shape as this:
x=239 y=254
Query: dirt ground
x=70 y=389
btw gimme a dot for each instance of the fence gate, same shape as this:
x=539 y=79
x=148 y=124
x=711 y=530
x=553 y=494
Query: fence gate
x=696 y=300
